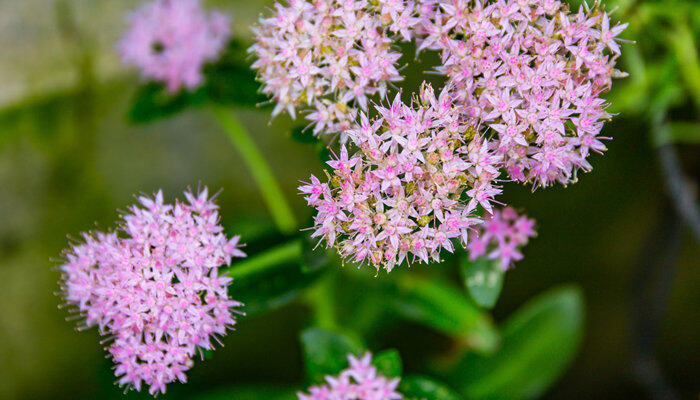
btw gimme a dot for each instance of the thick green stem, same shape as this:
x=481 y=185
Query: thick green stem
x=321 y=298
x=285 y=252
x=683 y=45
x=259 y=168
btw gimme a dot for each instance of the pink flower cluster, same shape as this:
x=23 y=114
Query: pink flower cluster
x=401 y=194
x=532 y=71
x=154 y=288
x=500 y=236
x=328 y=56
x=170 y=40
x=358 y=382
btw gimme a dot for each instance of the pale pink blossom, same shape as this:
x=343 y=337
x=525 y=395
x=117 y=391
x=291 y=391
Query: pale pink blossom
x=171 y=40
x=398 y=195
x=500 y=236
x=153 y=287
x=534 y=72
x=329 y=57
x=360 y=381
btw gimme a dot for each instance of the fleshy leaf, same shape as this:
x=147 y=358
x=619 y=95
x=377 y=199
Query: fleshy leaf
x=483 y=279
x=231 y=81
x=152 y=101
x=228 y=81
x=272 y=278
x=326 y=352
x=423 y=388
x=445 y=308
x=539 y=342
x=388 y=363
x=251 y=393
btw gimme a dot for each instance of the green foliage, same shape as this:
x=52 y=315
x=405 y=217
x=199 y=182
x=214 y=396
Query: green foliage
x=420 y=387
x=326 y=351
x=251 y=393
x=153 y=101
x=483 y=279
x=272 y=278
x=229 y=82
x=539 y=342
x=444 y=308
x=388 y=363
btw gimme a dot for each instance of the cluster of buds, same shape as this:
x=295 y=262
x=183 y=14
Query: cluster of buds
x=358 y=382
x=500 y=237
x=534 y=72
x=329 y=56
x=154 y=288
x=411 y=188
x=171 y=40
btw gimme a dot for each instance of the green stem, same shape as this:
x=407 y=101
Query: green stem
x=684 y=47
x=291 y=250
x=321 y=298
x=259 y=168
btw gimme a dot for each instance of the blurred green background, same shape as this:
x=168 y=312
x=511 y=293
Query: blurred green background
x=69 y=159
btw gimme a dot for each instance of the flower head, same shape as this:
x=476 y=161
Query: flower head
x=411 y=188
x=330 y=56
x=534 y=72
x=358 y=382
x=154 y=287
x=500 y=236
x=170 y=40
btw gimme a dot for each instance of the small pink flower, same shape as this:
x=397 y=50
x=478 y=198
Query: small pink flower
x=534 y=72
x=171 y=40
x=399 y=196
x=154 y=287
x=500 y=236
x=328 y=57
x=360 y=381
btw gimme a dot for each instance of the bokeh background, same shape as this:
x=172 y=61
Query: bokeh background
x=69 y=159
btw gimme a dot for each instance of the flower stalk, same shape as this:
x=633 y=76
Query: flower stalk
x=259 y=168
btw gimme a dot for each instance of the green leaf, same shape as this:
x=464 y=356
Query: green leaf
x=270 y=279
x=539 y=342
x=483 y=279
x=444 y=308
x=420 y=387
x=326 y=352
x=388 y=363
x=153 y=101
x=231 y=81
x=682 y=132
x=251 y=393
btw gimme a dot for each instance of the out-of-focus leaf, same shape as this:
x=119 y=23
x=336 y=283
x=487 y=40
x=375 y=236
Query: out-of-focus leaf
x=388 y=363
x=251 y=393
x=483 y=279
x=231 y=81
x=682 y=132
x=444 y=308
x=420 y=387
x=539 y=342
x=270 y=279
x=228 y=81
x=326 y=352
x=153 y=101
